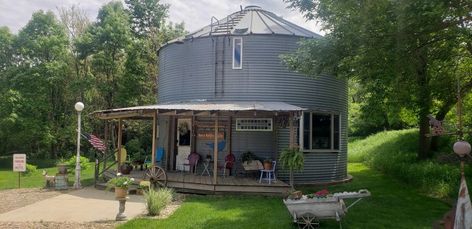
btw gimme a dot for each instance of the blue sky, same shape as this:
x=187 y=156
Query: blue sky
x=194 y=13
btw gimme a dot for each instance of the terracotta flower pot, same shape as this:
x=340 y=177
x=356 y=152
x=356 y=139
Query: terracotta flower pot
x=121 y=192
x=267 y=165
x=62 y=168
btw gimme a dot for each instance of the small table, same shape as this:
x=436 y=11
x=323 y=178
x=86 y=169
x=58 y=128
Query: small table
x=206 y=167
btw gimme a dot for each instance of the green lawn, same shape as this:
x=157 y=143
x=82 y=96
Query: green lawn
x=392 y=205
x=9 y=179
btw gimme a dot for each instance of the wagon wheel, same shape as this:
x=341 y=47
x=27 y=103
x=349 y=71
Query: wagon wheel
x=307 y=221
x=157 y=176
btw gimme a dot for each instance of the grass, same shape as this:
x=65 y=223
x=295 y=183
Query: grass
x=9 y=179
x=393 y=205
x=394 y=153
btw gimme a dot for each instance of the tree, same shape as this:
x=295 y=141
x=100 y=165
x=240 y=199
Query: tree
x=39 y=80
x=403 y=52
x=147 y=19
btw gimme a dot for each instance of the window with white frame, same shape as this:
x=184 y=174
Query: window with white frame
x=320 y=131
x=254 y=124
x=237 y=53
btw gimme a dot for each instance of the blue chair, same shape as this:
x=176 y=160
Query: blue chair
x=159 y=155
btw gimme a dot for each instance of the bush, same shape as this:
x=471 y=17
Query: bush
x=157 y=200
x=84 y=163
x=394 y=153
x=30 y=169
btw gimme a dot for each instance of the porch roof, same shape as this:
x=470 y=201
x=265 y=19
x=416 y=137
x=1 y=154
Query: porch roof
x=197 y=106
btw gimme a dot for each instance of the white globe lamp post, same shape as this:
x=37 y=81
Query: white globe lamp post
x=462 y=148
x=79 y=106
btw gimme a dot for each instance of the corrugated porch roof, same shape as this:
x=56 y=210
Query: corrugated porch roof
x=230 y=106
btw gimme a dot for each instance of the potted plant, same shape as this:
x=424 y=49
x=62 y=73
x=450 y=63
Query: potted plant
x=247 y=157
x=126 y=168
x=293 y=160
x=267 y=164
x=120 y=184
x=143 y=187
x=62 y=166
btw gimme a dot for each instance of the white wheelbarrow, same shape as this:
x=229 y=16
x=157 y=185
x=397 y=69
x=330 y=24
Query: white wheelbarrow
x=308 y=212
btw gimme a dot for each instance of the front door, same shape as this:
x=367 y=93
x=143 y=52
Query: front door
x=184 y=138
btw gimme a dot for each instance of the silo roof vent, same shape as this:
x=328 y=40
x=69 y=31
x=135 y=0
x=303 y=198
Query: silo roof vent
x=251 y=20
x=252 y=7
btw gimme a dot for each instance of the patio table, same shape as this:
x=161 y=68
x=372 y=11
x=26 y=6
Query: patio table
x=206 y=167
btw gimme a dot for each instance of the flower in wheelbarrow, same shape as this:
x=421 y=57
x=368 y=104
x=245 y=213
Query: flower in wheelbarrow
x=322 y=193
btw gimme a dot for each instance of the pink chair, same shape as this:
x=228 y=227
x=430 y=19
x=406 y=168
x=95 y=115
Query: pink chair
x=229 y=163
x=193 y=159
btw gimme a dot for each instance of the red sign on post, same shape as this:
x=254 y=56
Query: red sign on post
x=19 y=162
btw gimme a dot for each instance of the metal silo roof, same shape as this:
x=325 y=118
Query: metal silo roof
x=250 y=20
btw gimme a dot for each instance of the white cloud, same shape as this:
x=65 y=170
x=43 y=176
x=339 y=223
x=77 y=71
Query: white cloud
x=195 y=13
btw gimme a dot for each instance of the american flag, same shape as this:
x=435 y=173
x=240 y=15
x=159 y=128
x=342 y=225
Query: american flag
x=96 y=142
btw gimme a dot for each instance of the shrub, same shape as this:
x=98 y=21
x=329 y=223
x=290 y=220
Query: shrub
x=158 y=200
x=30 y=169
x=84 y=163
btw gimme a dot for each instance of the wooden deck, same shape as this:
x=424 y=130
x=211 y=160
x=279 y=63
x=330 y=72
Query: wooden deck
x=195 y=183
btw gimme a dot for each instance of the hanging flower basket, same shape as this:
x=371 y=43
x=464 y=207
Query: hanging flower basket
x=183 y=128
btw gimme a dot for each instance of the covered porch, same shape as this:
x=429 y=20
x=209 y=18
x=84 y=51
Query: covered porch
x=203 y=184
x=208 y=129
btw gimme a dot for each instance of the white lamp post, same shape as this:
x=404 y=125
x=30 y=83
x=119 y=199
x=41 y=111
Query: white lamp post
x=79 y=106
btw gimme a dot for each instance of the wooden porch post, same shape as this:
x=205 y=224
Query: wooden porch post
x=292 y=132
x=215 y=153
x=119 y=143
x=230 y=134
x=154 y=131
x=106 y=145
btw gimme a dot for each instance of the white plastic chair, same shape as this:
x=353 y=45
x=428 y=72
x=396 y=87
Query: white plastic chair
x=270 y=174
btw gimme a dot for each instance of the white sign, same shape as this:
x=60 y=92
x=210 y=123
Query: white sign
x=19 y=162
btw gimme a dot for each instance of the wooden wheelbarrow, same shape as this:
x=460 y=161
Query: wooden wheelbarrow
x=308 y=212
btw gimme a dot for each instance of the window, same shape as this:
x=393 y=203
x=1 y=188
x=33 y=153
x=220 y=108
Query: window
x=254 y=124
x=320 y=131
x=237 y=53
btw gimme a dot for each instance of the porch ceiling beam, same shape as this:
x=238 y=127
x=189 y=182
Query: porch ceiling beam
x=184 y=113
x=125 y=114
x=201 y=113
x=169 y=112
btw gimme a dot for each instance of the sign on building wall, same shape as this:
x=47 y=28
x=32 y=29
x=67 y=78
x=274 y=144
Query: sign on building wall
x=19 y=162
